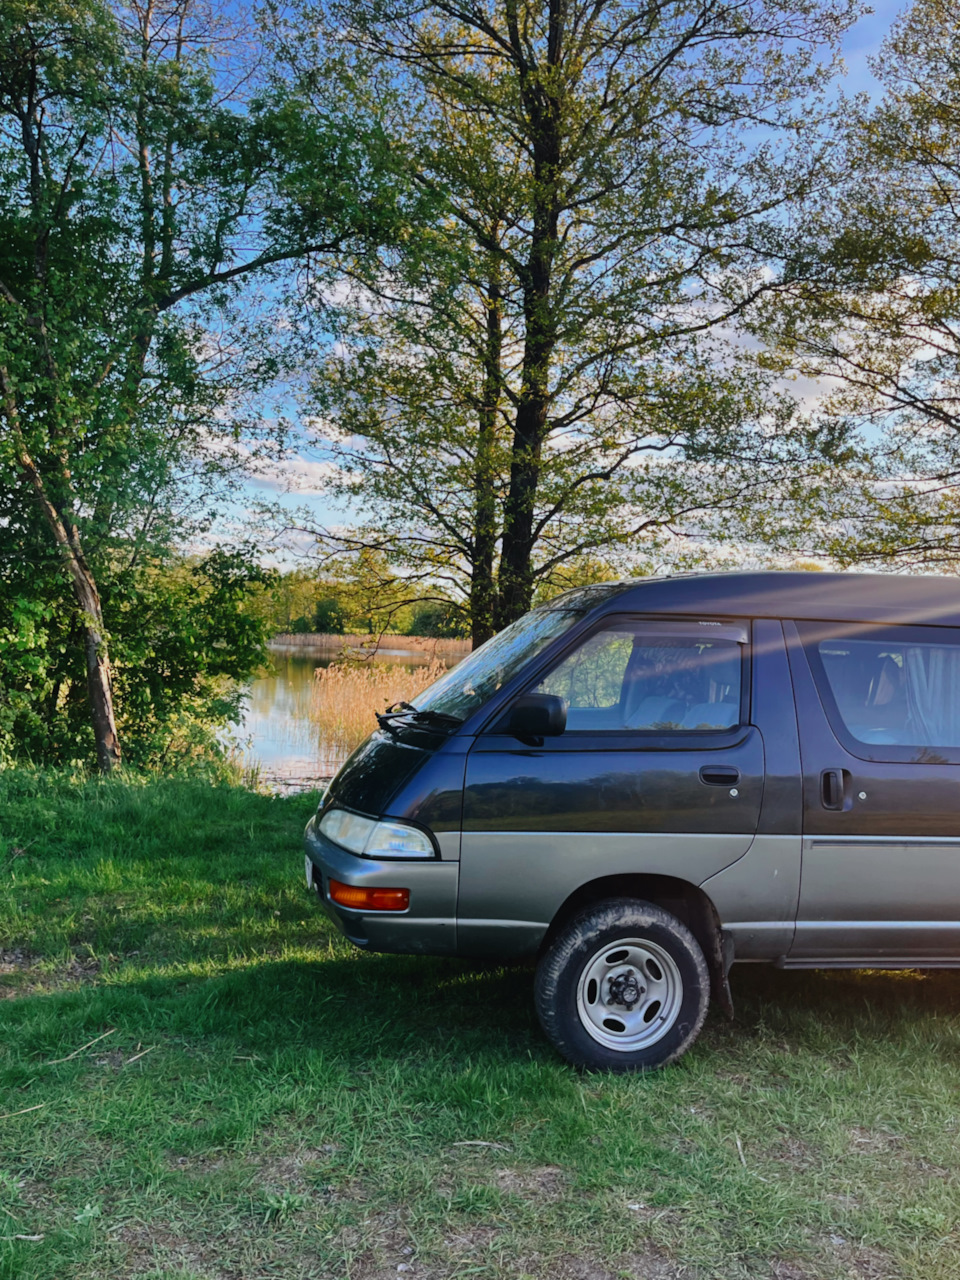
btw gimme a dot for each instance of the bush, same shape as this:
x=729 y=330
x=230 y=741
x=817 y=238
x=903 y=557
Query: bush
x=182 y=642
x=329 y=617
x=439 y=620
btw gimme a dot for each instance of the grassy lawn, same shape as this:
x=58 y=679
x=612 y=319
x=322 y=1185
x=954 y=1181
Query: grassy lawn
x=263 y=1101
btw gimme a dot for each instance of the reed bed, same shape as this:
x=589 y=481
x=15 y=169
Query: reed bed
x=317 y=641
x=346 y=697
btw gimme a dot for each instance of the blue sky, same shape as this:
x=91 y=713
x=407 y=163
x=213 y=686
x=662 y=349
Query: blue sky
x=864 y=39
x=303 y=472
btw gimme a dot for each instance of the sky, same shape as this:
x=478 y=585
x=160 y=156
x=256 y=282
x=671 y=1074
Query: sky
x=864 y=39
x=296 y=482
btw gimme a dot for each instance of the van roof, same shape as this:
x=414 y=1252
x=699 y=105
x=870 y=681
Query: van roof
x=848 y=597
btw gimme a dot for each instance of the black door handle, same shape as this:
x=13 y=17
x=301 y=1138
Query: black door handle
x=831 y=788
x=720 y=775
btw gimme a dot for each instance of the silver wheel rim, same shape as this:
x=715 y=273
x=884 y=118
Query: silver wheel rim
x=629 y=994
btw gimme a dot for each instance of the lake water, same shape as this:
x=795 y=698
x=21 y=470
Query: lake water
x=277 y=735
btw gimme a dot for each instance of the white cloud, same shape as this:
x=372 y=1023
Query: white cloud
x=296 y=474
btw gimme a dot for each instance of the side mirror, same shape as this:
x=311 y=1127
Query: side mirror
x=537 y=715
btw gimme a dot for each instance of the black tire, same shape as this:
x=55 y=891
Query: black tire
x=572 y=1012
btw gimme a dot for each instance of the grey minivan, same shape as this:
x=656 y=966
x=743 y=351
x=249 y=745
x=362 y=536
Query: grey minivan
x=640 y=783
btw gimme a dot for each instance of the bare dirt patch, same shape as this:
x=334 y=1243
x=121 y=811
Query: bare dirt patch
x=654 y=1264
x=15 y=967
x=23 y=974
x=795 y=1153
x=872 y=1264
x=649 y=1264
x=866 y=1142
x=287 y=1172
x=471 y=1239
x=545 y=1182
x=147 y=1245
x=381 y=1249
x=860 y=1262
x=147 y=1248
x=784 y=1270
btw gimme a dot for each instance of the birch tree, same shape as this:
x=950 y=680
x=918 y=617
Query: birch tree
x=150 y=165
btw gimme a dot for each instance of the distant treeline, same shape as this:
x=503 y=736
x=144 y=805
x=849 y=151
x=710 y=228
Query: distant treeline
x=299 y=602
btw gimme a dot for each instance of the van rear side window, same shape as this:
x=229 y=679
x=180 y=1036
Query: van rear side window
x=653 y=678
x=899 y=687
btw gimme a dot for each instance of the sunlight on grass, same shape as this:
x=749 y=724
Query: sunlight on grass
x=201 y=1078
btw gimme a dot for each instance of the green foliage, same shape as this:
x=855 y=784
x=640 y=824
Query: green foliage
x=873 y=304
x=541 y=374
x=329 y=617
x=438 y=620
x=154 y=163
x=299 y=602
x=183 y=640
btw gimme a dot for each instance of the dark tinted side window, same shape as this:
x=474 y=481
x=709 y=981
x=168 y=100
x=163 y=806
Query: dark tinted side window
x=895 y=687
x=653 y=677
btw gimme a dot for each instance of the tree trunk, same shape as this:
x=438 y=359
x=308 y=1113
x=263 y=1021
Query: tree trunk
x=544 y=110
x=67 y=538
x=99 y=682
x=516 y=560
x=483 y=587
x=529 y=433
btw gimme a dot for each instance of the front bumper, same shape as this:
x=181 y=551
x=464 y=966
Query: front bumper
x=427 y=927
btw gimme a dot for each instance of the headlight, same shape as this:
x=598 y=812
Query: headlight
x=347 y=829
x=375 y=839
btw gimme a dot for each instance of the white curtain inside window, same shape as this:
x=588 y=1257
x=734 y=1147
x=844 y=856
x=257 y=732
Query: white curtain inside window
x=933 y=693
x=901 y=693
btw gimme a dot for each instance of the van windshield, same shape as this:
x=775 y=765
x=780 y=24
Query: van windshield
x=467 y=686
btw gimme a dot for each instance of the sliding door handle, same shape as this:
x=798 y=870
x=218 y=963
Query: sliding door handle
x=832 y=789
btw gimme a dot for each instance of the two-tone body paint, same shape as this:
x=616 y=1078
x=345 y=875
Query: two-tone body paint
x=539 y=823
x=518 y=829
x=756 y=897
x=881 y=876
x=418 y=780
x=427 y=927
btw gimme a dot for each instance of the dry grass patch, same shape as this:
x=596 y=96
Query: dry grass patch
x=649 y=1264
x=790 y=1271
x=346 y=698
x=23 y=974
x=546 y=1182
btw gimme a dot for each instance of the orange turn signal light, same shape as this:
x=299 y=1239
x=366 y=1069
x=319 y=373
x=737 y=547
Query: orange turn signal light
x=375 y=899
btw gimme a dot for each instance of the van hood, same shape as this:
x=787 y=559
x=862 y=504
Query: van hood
x=377 y=771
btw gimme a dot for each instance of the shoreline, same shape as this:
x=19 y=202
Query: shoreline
x=368 y=645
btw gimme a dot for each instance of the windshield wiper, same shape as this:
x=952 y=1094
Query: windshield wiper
x=436 y=717
x=406 y=713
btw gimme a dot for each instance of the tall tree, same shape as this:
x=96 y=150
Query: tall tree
x=150 y=164
x=873 y=307
x=614 y=179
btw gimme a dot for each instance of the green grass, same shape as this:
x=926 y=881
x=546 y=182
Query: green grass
x=271 y=1103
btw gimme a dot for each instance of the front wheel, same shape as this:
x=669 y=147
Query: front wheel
x=623 y=987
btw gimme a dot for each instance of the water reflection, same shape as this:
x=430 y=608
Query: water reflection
x=277 y=735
